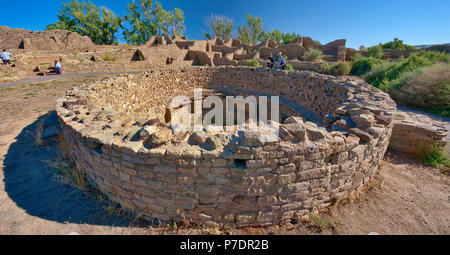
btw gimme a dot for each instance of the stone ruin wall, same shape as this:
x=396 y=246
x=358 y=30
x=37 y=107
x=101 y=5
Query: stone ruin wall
x=241 y=181
x=233 y=52
x=43 y=40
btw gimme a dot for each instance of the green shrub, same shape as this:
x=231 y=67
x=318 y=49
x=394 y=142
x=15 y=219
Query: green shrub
x=434 y=56
x=376 y=52
x=427 y=88
x=362 y=65
x=254 y=63
x=289 y=67
x=313 y=55
x=109 y=57
x=382 y=74
x=387 y=75
x=422 y=80
x=397 y=44
x=433 y=155
x=338 y=69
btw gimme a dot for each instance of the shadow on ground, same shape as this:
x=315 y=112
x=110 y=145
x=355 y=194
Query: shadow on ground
x=32 y=182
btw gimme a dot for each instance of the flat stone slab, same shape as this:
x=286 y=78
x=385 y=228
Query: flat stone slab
x=413 y=129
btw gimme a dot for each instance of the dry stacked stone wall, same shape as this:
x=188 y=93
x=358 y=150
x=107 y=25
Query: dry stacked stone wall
x=116 y=133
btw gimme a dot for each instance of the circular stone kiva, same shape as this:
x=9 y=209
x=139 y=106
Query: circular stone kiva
x=333 y=133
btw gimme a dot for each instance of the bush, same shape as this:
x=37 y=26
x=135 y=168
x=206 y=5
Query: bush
x=382 y=74
x=387 y=75
x=108 y=57
x=422 y=80
x=397 y=44
x=426 y=88
x=433 y=155
x=376 y=52
x=254 y=63
x=313 y=55
x=289 y=67
x=433 y=56
x=338 y=69
x=362 y=65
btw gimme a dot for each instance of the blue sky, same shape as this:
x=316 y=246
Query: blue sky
x=361 y=22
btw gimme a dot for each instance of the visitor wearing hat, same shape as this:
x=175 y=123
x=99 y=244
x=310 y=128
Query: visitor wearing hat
x=281 y=61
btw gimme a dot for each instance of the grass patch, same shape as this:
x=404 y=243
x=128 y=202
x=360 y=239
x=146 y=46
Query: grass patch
x=8 y=75
x=393 y=74
x=325 y=223
x=433 y=155
x=109 y=57
x=422 y=80
x=427 y=88
x=72 y=176
x=337 y=69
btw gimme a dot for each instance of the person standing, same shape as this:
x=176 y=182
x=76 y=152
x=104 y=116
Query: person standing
x=6 y=57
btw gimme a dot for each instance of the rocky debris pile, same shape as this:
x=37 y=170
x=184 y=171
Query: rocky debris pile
x=43 y=40
x=363 y=115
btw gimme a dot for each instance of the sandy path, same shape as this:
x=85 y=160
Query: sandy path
x=58 y=77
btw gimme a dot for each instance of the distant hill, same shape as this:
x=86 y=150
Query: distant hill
x=430 y=45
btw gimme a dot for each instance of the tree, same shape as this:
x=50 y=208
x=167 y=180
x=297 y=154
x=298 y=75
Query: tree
x=275 y=35
x=252 y=32
x=278 y=36
x=396 y=44
x=100 y=24
x=288 y=37
x=175 y=22
x=147 y=18
x=220 y=26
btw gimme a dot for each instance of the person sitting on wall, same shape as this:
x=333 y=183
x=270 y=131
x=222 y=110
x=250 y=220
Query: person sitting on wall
x=271 y=61
x=57 y=68
x=281 y=61
x=6 y=57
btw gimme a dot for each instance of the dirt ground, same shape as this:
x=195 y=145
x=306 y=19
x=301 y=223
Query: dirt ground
x=406 y=197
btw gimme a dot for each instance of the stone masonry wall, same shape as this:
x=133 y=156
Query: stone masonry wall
x=227 y=178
